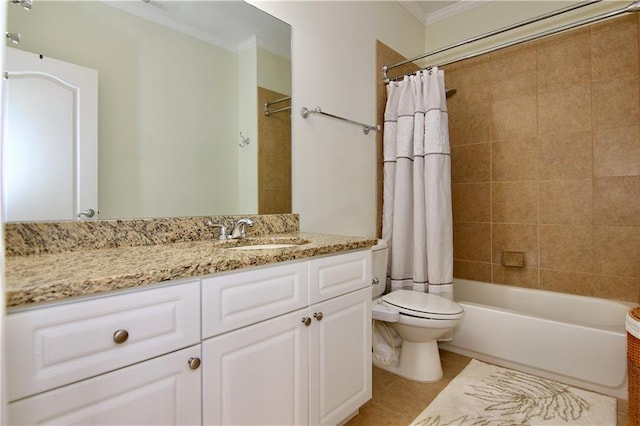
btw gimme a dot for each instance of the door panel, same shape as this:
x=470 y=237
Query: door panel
x=50 y=139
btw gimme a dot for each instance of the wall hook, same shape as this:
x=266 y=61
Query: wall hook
x=14 y=37
x=244 y=141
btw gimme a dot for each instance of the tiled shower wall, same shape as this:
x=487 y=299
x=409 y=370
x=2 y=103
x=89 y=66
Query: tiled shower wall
x=274 y=155
x=545 y=145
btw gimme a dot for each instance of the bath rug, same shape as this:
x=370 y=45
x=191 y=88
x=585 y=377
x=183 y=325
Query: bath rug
x=487 y=395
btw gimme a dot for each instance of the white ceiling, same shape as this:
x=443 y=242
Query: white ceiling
x=233 y=25
x=431 y=11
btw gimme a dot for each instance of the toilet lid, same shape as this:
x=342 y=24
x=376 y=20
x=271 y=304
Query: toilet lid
x=423 y=305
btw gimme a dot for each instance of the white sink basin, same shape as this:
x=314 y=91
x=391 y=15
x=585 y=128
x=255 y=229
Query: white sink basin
x=263 y=246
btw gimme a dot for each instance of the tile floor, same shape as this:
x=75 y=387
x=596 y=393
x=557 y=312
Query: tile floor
x=397 y=401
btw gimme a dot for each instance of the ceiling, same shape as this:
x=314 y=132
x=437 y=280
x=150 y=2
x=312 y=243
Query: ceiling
x=432 y=11
x=234 y=25
x=224 y=23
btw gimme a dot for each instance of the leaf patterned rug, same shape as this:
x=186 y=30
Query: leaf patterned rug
x=487 y=395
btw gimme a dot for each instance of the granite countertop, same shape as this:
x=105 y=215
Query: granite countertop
x=56 y=276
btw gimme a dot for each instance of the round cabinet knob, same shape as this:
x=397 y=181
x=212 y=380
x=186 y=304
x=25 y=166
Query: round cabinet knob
x=120 y=336
x=375 y=281
x=306 y=321
x=194 y=363
x=318 y=316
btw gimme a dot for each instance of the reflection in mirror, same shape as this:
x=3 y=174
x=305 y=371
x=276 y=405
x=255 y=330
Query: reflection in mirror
x=174 y=96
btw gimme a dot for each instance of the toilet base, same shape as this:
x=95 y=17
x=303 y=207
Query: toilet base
x=419 y=362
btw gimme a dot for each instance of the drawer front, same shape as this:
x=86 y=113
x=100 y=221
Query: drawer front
x=57 y=345
x=333 y=276
x=161 y=391
x=231 y=301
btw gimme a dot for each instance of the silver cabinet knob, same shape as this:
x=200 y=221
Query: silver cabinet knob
x=87 y=213
x=375 y=280
x=306 y=321
x=120 y=336
x=318 y=316
x=194 y=363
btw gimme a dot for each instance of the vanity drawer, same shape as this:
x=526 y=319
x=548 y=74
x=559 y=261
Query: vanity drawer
x=56 y=345
x=231 y=301
x=334 y=276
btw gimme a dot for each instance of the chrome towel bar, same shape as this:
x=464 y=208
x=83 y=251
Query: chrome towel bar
x=304 y=112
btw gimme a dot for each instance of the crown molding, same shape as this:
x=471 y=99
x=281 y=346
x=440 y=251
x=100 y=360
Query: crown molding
x=461 y=6
x=455 y=9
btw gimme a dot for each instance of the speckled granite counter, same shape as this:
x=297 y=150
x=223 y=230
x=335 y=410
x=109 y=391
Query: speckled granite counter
x=55 y=276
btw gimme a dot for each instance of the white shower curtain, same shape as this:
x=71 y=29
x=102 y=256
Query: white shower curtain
x=417 y=219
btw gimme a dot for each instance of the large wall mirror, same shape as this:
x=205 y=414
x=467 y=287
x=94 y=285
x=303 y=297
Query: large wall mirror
x=181 y=89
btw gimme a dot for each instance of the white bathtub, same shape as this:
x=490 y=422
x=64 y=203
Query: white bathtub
x=576 y=340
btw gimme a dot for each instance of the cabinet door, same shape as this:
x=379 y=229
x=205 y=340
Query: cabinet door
x=257 y=375
x=340 y=357
x=161 y=391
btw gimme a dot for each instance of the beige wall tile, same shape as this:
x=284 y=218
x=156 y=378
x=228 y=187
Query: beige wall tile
x=469 y=122
x=567 y=201
x=615 y=103
x=514 y=160
x=470 y=163
x=514 y=75
x=564 y=63
x=567 y=282
x=565 y=111
x=471 y=202
x=517 y=60
x=566 y=248
x=515 y=237
x=471 y=83
x=519 y=277
x=620 y=288
x=565 y=156
x=514 y=86
x=514 y=202
x=615 y=50
x=616 y=251
x=514 y=118
x=616 y=151
x=469 y=270
x=472 y=241
x=616 y=201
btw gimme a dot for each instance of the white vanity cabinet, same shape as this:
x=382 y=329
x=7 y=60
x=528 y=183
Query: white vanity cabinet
x=309 y=365
x=286 y=344
x=99 y=360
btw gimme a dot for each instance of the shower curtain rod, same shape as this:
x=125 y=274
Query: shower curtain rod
x=266 y=106
x=632 y=7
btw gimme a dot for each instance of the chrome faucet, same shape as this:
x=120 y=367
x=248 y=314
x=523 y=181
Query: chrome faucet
x=238 y=229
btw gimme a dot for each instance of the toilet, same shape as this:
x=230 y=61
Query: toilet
x=417 y=320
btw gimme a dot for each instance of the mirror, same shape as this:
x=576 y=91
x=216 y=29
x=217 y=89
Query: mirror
x=181 y=88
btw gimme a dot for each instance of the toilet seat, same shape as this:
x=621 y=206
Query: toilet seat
x=423 y=305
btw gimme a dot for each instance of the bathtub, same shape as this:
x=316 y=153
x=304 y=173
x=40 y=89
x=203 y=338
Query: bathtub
x=577 y=340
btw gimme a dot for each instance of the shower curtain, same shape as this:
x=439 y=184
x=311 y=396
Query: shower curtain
x=417 y=218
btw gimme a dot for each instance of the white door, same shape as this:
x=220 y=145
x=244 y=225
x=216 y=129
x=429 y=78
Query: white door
x=340 y=357
x=50 y=167
x=161 y=391
x=257 y=375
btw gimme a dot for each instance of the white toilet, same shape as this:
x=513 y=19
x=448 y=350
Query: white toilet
x=419 y=318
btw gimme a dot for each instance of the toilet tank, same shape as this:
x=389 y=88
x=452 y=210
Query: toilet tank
x=379 y=258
